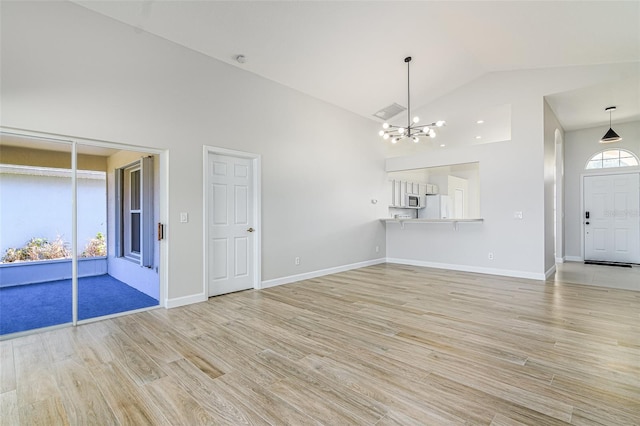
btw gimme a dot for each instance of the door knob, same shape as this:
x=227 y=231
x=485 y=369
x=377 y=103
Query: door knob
x=586 y=223
x=250 y=230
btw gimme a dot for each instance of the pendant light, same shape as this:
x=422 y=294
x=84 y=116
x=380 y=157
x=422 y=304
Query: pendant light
x=413 y=131
x=610 y=136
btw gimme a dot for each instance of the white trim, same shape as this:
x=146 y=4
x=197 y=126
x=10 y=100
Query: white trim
x=615 y=167
x=256 y=171
x=560 y=259
x=163 y=193
x=467 y=268
x=550 y=272
x=54 y=137
x=185 y=300
x=74 y=233
x=582 y=176
x=320 y=273
x=574 y=258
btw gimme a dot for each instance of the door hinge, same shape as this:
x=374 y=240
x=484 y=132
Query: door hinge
x=160 y=231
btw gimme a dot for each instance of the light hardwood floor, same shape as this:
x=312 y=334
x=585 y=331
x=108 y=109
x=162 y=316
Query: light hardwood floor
x=383 y=345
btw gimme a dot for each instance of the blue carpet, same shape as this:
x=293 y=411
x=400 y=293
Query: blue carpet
x=26 y=307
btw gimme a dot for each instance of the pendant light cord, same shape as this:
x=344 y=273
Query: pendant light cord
x=408 y=60
x=609 y=118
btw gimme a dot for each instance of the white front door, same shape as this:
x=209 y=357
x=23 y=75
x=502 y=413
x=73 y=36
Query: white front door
x=231 y=231
x=611 y=218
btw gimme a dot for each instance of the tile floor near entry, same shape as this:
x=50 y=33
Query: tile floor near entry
x=598 y=275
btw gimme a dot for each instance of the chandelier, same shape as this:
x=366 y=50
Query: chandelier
x=413 y=130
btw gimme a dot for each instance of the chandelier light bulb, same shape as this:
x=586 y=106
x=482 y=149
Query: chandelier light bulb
x=385 y=126
x=416 y=119
x=385 y=136
x=426 y=129
x=401 y=130
x=415 y=139
x=394 y=140
x=440 y=123
x=432 y=133
x=381 y=133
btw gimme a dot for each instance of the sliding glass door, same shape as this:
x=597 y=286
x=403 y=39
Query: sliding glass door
x=77 y=231
x=36 y=231
x=118 y=250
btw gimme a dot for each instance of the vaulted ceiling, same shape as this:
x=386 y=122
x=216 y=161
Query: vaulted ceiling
x=350 y=53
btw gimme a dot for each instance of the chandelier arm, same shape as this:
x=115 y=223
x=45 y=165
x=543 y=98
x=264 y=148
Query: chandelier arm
x=413 y=130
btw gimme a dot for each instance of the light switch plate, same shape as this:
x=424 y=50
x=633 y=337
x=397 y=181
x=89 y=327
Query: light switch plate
x=184 y=217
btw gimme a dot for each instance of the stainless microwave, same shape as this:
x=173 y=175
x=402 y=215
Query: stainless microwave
x=415 y=201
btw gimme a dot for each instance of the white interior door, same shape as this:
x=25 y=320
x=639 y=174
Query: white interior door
x=611 y=218
x=231 y=233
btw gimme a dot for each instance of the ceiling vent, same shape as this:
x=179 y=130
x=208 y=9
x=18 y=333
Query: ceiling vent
x=390 y=111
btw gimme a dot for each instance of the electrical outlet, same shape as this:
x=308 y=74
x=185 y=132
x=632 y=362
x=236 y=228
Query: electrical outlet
x=377 y=249
x=297 y=260
x=517 y=215
x=490 y=255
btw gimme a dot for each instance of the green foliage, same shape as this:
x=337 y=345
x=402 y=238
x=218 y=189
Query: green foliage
x=38 y=249
x=95 y=247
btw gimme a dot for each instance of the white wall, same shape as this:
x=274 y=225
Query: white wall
x=69 y=71
x=560 y=201
x=551 y=126
x=580 y=146
x=512 y=175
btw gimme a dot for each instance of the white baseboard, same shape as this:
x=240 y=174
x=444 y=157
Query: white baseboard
x=322 y=272
x=550 y=272
x=468 y=268
x=574 y=259
x=560 y=259
x=185 y=300
x=202 y=297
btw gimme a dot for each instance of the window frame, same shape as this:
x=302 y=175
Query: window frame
x=127 y=199
x=601 y=160
x=130 y=198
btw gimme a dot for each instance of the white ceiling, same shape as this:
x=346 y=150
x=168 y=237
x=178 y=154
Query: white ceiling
x=350 y=53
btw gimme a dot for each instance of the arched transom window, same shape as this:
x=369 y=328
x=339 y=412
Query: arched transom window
x=612 y=158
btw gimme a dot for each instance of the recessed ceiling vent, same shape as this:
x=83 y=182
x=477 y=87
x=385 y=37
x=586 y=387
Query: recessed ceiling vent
x=390 y=111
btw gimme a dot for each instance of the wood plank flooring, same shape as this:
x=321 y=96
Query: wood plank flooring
x=382 y=345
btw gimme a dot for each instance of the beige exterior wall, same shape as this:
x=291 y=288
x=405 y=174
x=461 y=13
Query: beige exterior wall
x=54 y=159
